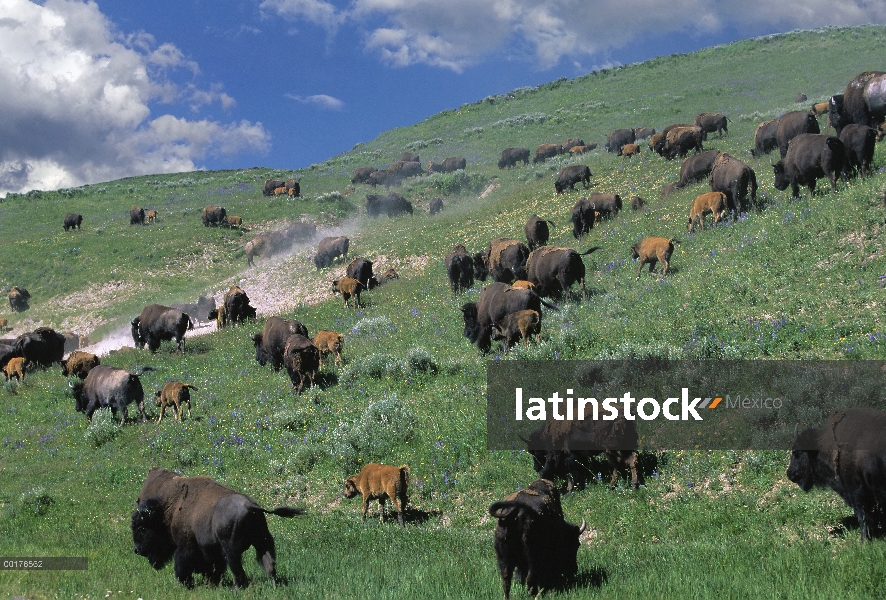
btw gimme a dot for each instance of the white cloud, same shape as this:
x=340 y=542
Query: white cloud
x=76 y=96
x=454 y=34
x=321 y=100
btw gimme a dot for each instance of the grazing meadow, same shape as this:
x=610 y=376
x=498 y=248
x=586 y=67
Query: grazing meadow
x=792 y=279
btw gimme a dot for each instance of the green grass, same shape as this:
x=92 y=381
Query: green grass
x=797 y=279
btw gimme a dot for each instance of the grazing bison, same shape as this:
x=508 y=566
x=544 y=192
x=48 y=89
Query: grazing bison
x=271 y=342
x=765 y=138
x=435 y=206
x=271 y=185
x=329 y=249
x=157 y=323
x=203 y=526
x=497 y=300
x=658 y=141
x=448 y=165
x=233 y=221
x=735 y=179
x=859 y=142
x=361 y=269
x=175 y=394
x=213 y=215
x=680 y=140
x=537 y=232
x=847 y=453
x=403 y=169
x=571 y=143
x=72 y=221
x=44 y=346
x=136 y=215
x=112 y=387
x=380 y=482
x=361 y=175
x=810 y=156
x=533 y=538
x=18 y=299
x=616 y=140
x=712 y=123
x=546 y=151
x=391 y=205
x=637 y=203
x=511 y=156
x=329 y=342
x=792 y=124
x=517 y=326
x=459 y=269
x=79 y=363
x=302 y=361
x=652 y=250
x=709 y=203
x=553 y=271
x=696 y=167
x=506 y=259
x=569 y=176
x=863 y=102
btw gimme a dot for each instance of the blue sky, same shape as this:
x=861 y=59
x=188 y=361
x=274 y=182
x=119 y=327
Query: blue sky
x=94 y=91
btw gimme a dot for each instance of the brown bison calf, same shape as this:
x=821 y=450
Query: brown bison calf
x=150 y=216
x=174 y=393
x=79 y=363
x=15 y=368
x=516 y=326
x=652 y=250
x=329 y=341
x=629 y=150
x=709 y=203
x=522 y=284
x=348 y=287
x=378 y=482
x=4 y=324
x=280 y=191
x=234 y=221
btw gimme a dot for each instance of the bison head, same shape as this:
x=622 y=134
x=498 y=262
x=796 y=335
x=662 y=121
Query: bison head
x=804 y=455
x=781 y=179
x=150 y=534
x=481 y=267
x=77 y=390
x=136 y=333
x=472 y=322
x=351 y=488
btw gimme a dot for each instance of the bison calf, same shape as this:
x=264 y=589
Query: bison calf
x=329 y=342
x=652 y=250
x=709 y=203
x=516 y=326
x=348 y=287
x=380 y=482
x=175 y=394
x=15 y=368
x=233 y=221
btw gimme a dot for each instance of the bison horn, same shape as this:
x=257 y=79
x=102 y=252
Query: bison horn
x=584 y=526
x=796 y=430
x=525 y=441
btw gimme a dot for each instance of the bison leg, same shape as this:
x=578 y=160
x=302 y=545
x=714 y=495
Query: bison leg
x=141 y=408
x=381 y=508
x=365 y=507
x=265 y=551
x=184 y=567
x=664 y=261
x=162 y=412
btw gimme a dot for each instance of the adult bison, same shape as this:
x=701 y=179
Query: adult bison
x=765 y=138
x=506 y=259
x=213 y=215
x=361 y=174
x=19 y=299
x=136 y=215
x=859 y=142
x=511 y=156
x=235 y=307
x=391 y=205
x=302 y=361
x=271 y=342
x=863 y=102
x=361 y=269
x=546 y=151
x=533 y=539
x=810 y=157
x=569 y=176
x=203 y=526
x=537 y=231
x=712 y=123
x=157 y=323
x=697 y=167
x=847 y=453
x=735 y=179
x=616 y=140
x=792 y=124
x=448 y=165
x=497 y=300
x=459 y=269
x=293 y=188
x=271 y=185
x=680 y=140
x=107 y=386
x=329 y=249
x=72 y=221
x=583 y=218
x=553 y=271
x=264 y=244
x=44 y=346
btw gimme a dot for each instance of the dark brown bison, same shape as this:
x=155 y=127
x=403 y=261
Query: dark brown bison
x=697 y=167
x=546 y=151
x=329 y=249
x=616 y=140
x=847 y=453
x=735 y=179
x=361 y=269
x=583 y=218
x=511 y=156
x=157 y=323
x=859 y=142
x=642 y=133
x=448 y=165
x=517 y=326
x=569 y=176
x=765 y=138
x=435 y=206
x=497 y=300
x=302 y=360
x=112 y=387
x=271 y=342
x=680 y=140
x=792 y=124
x=203 y=526
x=506 y=259
x=459 y=269
x=712 y=123
x=863 y=102
x=43 y=347
x=391 y=205
x=658 y=141
x=136 y=215
x=537 y=231
x=810 y=156
x=235 y=307
x=409 y=157
x=72 y=221
x=293 y=188
x=553 y=271
x=79 y=363
x=213 y=215
x=19 y=299
x=268 y=244
x=361 y=174
x=533 y=539
x=271 y=185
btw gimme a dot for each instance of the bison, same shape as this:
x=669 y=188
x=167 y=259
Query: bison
x=329 y=342
x=497 y=300
x=709 y=203
x=792 y=124
x=506 y=259
x=349 y=288
x=136 y=215
x=735 y=179
x=765 y=138
x=537 y=232
x=380 y=482
x=266 y=244
x=44 y=346
x=302 y=360
x=150 y=216
x=569 y=176
x=517 y=326
x=233 y=221
x=213 y=215
x=361 y=175
x=680 y=140
x=174 y=393
x=235 y=307
x=19 y=299
x=447 y=166
x=361 y=269
x=409 y=157
x=810 y=156
x=652 y=250
x=107 y=386
x=391 y=205
x=629 y=150
x=554 y=270
x=329 y=249
x=616 y=140
x=72 y=221
x=271 y=342
x=459 y=269
x=712 y=123
x=80 y=363
x=546 y=151
x=157 y=323
x=271 y=185
x=511 y=156
x=847 y=453
x=863 y=102
x=203 y=526
x=696 y=167
x=16 y=367
x=533 y=539
x=858 y=142
x=435 y=206
x=293 y=188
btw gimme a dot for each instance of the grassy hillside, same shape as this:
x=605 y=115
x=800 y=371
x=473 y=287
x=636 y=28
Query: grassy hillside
x=797 y=279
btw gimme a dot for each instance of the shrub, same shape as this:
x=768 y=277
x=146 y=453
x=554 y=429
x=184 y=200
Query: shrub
x=102 y=429
x=382 y=426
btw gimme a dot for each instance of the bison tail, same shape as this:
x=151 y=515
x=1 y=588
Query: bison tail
x=593 y=249
x=287 y=512
x=549 y=304
x=404 y=474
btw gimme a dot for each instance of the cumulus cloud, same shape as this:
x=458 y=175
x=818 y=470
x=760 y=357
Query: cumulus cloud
x=76 y=98
x=457 y=33
x=321 y=100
